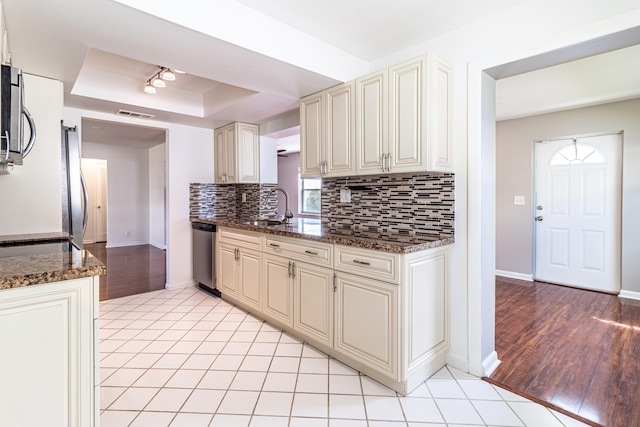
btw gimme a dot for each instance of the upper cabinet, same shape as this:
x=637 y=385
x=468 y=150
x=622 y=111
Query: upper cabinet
x=237 y=153
x=400 y=119
x=327 y=132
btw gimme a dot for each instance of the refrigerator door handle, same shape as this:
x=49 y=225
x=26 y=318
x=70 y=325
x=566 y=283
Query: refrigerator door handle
x=85 y=207
x=32 y=138
x=6 y=138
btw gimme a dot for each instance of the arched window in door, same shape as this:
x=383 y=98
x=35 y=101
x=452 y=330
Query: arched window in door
x=576 y=153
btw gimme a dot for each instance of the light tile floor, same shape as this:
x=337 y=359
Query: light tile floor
x=185 y=358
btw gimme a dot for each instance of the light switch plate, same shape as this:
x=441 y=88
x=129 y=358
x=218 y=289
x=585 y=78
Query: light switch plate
x=518 y=200
x=345 y=196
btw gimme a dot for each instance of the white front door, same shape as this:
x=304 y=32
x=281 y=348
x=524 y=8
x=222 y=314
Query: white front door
x=578 y=212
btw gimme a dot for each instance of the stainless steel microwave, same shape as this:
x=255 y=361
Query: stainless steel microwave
x=12 y=115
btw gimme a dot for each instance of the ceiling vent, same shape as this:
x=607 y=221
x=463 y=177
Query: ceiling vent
x=135 y=114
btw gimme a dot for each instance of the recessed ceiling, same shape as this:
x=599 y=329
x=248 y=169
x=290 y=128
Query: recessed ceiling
x=113 y=133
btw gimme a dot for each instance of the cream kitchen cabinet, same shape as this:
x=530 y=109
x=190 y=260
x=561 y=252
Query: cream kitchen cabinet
x=239 y=273
x=403 y=118
x=384 y=314
x=237 y=153
x=327 y=132
x=309 y=286
x=391 y=317
x=278 y=289
x=313 y=303
x=49 y=357
x=366 y=319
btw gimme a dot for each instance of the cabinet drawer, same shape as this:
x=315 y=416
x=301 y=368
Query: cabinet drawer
x=245 y=239
x=303 y=250
x=364 y=262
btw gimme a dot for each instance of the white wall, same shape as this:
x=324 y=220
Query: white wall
x=189 y=159
x=32 y=200
x=514 y=237
x=157 y=189
x=288 y=179
x=529 y=29
x=127 y=192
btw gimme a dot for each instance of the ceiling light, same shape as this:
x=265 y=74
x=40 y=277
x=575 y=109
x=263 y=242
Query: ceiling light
x=148 y=88
x=167 y=74
x=157 y=81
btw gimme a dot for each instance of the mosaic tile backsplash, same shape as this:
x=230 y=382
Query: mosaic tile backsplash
x=409 y=204
x=225 y=201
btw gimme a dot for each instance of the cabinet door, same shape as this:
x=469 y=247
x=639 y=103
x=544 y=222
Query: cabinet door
x=220 y=156
x=226 y=270
x=230 y=151
x=407 y=116
x=47 y=356
x=371 y=122
x=426 y=304
x=439 y=116
x=250 y=278
x=313 y=302
x=340 y=130
x=278 y=289
x=248 y=153
x=366 y=321
x=311 y=134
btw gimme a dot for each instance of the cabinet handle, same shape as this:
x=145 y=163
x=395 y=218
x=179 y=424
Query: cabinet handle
x=310 y=252
x=384 y=162
x=236 y=254
x=289 y=269
x=293 y=270
x=389 y=162
x=334 y=282
x=275 y=245
x=357 y=261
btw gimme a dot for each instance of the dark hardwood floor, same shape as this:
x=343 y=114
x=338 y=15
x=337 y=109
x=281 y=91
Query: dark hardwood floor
x=130 y=269
x=573 y=350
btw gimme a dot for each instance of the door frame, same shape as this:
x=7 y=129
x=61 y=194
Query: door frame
x=534 y=158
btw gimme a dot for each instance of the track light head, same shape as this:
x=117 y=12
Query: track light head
x=148 y=87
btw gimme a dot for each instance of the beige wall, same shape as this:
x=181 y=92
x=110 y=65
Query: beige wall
x=514 y=232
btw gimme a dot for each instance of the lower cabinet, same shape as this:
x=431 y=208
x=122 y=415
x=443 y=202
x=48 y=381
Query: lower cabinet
x=367 y=322
x=278 y=289
x=313 y=302
x=240 y=274
x=48 y=370
x=383 y=314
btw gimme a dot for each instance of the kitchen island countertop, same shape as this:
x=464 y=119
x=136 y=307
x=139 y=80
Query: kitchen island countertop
x=33 y=259
x=314 y=229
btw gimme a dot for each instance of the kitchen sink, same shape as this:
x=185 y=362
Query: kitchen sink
x=263 y=222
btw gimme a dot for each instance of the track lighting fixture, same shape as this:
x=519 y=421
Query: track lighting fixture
x=158 y=79
x=148 y=88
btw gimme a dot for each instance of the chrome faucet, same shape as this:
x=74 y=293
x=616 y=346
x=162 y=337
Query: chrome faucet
x=287 y=212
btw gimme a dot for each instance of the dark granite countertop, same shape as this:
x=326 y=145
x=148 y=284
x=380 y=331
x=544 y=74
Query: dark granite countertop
x=34 y=259
x=314 y=229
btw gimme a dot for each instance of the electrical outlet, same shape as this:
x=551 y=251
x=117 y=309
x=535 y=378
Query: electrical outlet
x=518 y=200
x=345 y=196
x=244 y=197
x=127 y=233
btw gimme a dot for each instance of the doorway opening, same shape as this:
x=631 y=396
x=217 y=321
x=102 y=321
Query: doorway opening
x=95 y=175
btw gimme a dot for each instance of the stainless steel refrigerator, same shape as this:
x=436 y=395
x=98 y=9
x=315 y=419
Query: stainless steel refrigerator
x=74 y=189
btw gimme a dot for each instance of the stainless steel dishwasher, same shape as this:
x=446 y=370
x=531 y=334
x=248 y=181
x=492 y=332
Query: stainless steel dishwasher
x=203 y=253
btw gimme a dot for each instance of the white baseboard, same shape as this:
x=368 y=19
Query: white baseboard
x=123 y=244
x=490 y=363
x=629 y=295
x=182 y=285
x=513 y=275
x=159 y=245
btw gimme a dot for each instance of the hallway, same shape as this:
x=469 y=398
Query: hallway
x=130 y=269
